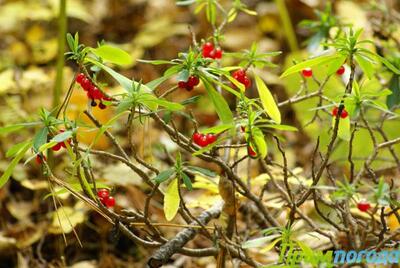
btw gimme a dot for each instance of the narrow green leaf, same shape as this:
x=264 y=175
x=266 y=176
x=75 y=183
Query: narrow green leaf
x=62 y=136
x=335 y=64
x=187 y=181
x=164 y=175
x=113 y=54
x=203 y=171
x=220 y=104
x=310 y=63
x=281 y=127
x=344 y=128
x=7 y=173
x=9 y=129
x=365 y=65
x=16 y=148
x=260 y=241
x=259 y=141
x=217 y=129
x=267 y=100
x=40 y=138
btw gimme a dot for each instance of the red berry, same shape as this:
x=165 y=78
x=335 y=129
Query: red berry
x=246 y=82
x=208 y=47
x=110 y=202
x=341 y=70
x=243 y=128
x=80 y=77
x=96 y=93
x=40 y=159
x=239 y=74
x=307 y=72
x=86 y=84
x=363 y=206
x=251 y=152
x=218 y=53
x=103 y=194
x=56 y=147
x=196 y=137
x=182 y=84
x=193 y=81
x=211 y=138
x=188 y=88
x=335 y=111
x=344 y=113
x=102 y=106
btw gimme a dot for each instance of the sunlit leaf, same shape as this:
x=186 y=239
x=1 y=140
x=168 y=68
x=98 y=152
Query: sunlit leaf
x=171 y=200
x=18 y=156
x=113 y=54
x=267 y=100
x=310 y=63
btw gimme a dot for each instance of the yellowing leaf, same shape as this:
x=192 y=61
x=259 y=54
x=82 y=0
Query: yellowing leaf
x=171 y=200
x=267 y=100
x=65 y=219
x=344 y=128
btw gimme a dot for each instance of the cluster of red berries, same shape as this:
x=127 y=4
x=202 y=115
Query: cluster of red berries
x=60 y=145
x=209 y=51
x=241 y=76
x=105 y=198
x=335 y=111
x=307 y=72
x=190 y=83
x=92 y=91
x=204 y=139
x=363 y=205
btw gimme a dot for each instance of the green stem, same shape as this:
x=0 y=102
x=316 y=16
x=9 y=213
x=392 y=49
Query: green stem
x=287 y=24
x=62 y=31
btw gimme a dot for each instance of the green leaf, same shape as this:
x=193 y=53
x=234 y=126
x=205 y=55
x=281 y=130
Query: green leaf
x=156 y=82
x=309 y=63
x=16 y=148
x=62 y=136
x=157 y=62
x=203 y=171
x=183 y=75
x=164 y=175
x=172 y=106
x=9 y=129
x=335 y=64
x=344 y=128
x=282 y=127
x=220 y=104
x=366 y=65
x=217 y=129
x=113 y=54
x=187 y=181
x=40 y=138
x=171 y=200
x=394 y=86
x=125 y=82
x=267 y=100
x=19 y=155
x=259 y=141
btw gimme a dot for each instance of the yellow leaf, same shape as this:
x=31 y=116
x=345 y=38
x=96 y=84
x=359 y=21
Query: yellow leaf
x=171 y=200
x=267 y=100
x=344 y=128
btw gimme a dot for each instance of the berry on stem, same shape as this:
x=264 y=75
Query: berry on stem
x=251 y=152
x=102 y=106
x=208 y=50
x=193 y=81
x=241 y=77
x=335 y=111
x=109 y=202
x=307 y=72
x=341 y=70
x=218 y=53
x=80 y=77
x=40 y=159
x=103 y=194
x=196 y=137
x=182 y=84
x=363 y=205
x=56 y=147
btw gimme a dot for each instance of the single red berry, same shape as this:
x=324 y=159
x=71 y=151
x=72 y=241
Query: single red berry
x=182 y=84
x=246 y=82
x=341 y=70
x=196 y=137
x=344 y=113
x=110 y=202
x=107 y=98
x=102 y=106
x=40 y=159
x=103 y=194
x=307 y=72
x=208 y=47
x=211 y=138
x=193 y=81
x=80 y=77
x=63 y=143
x=335 y=111
x=202 y=141
x=93 y=103
x=218 y=53
x=56 y=147
x=363 y=206
x=86 y=84
x=251 y=152
x=188 y=88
